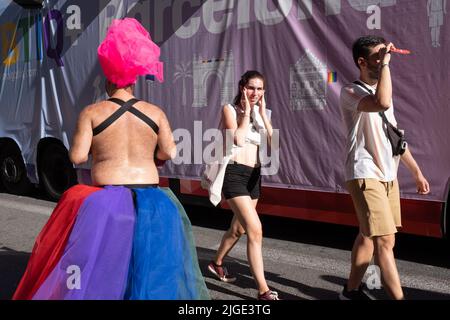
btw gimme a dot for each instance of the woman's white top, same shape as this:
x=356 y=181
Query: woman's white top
x=214 y=173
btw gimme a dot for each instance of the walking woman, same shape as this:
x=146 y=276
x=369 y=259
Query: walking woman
x=248 y=121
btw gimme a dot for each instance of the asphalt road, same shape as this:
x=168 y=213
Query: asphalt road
x=303 y=260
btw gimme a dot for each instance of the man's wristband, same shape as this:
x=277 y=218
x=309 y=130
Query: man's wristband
x=384 y=65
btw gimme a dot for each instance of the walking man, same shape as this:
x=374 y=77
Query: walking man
x=371 y=167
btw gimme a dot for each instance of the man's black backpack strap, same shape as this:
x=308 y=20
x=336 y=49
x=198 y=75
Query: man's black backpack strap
x=394 y=135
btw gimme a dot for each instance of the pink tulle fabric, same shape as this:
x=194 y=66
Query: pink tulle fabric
x=128 y=51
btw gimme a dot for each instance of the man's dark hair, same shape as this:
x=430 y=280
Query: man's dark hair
x=362 y=46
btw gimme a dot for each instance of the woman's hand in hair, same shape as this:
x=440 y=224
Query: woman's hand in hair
x=245 y=103
x=262 y=106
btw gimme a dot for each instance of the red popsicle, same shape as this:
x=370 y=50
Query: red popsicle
x=400 y=51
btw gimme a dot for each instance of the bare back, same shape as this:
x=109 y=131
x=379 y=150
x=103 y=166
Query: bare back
x=124 y=152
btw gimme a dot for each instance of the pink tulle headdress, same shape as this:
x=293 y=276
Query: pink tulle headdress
x=127 y=52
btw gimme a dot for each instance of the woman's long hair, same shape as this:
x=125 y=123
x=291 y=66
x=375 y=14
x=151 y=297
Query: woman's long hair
x=245 y=78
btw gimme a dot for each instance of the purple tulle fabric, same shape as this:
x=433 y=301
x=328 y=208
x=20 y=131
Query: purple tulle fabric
x=96 y=259
x=127 y=52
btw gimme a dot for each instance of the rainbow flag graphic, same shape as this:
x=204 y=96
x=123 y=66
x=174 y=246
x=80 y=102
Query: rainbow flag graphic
x=332 y=77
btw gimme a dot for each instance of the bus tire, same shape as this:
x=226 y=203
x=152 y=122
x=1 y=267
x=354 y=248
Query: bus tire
x=56 y=172
x=13 y=173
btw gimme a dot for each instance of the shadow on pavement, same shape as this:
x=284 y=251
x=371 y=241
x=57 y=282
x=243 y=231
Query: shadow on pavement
x=12 y=267
x=380 y=294
x=244 y=280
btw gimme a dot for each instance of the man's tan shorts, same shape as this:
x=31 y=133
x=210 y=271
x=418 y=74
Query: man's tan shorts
x=377 y=206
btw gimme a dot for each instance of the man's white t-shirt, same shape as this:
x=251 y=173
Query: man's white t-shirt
x=369 y=152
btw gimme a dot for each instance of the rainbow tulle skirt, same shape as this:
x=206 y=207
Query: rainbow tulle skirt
x=115 y=243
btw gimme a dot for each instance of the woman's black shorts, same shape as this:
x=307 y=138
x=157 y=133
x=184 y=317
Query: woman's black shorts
x=241 y=180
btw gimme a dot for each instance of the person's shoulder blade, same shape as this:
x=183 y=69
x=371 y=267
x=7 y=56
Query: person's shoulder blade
x=154 y=112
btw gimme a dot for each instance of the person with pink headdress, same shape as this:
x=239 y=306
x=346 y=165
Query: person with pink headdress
x=124 y=237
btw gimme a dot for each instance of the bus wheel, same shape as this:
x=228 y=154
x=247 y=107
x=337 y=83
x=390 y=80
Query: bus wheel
x=56 y=173
x=13 y=173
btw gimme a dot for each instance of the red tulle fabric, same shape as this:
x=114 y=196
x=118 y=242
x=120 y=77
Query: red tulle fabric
x=51 y=242
x=127 y=52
